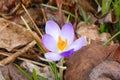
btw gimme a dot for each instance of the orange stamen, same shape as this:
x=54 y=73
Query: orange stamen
x=61 y=43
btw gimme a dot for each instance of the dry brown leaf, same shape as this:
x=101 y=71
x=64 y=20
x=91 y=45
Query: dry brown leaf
x=34 y=13
x=105 y=36
x=116 y=54
x=109 y=17
x=59 y=5
x=6 y=5
x=107 y=70
x=90 y=31
x=10 y=72
x=13 y=35
x=92 y=34
x=80 y=64
x=42 y=71
x=88 y=5
x=53 y=15
x=12 y=57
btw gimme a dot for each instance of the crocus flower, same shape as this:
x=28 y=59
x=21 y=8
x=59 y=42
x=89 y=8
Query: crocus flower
x=60 y=41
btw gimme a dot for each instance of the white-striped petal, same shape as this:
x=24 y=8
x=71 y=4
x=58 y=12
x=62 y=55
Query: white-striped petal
x=53 y=56
x=53 y=29
x=49 y=42
x=77 y=44
x=67 y=32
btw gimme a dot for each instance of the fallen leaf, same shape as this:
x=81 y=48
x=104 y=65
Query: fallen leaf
x=80 y=64
x=107 y=70
x=116 y=54
x=53 y=15
x=42 y=71
x=34 y=13
x=13 y=35
x=10 y=72
x=109 y=17
x=6 y=5
x=92 y=34
x=88 y=5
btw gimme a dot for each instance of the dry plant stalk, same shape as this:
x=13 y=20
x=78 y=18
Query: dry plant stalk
x=32 y=20
x=38 y=40
x=23 y=59
x=18 y=53
x=35 y=36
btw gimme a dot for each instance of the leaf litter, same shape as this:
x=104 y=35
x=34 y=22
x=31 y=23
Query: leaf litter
x=17 y=46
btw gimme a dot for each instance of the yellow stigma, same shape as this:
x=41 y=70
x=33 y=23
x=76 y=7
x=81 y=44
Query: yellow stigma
x=61 y=43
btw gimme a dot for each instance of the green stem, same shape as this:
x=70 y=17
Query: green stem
x=68 y=18
x=28 y=27
x=102 y=28
x=55 y=8
x=54 y=70
x=97 y=2
x=83 y=14
x=111 y=38
x=61 y=69
x=53 y=64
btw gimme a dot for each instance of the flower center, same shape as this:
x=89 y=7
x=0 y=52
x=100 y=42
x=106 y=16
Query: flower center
x=61 y=43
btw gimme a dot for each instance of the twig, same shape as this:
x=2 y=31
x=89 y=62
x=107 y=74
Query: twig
x=34 y=36
x=15 y=9
x=23 y=59
x=38 y=40
x=32 y=20
x=44 y=14
x=12 y=57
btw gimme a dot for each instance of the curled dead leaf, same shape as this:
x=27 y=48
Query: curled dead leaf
x=91 y=32
x=109 y=17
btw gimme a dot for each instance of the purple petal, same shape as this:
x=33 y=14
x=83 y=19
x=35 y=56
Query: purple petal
x=79 y=43
x=67 y=32
x=49 y=42
x=67 y=53
x=53 y=29
x=53 y=56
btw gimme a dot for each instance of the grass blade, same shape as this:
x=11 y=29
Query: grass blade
x=24 y=72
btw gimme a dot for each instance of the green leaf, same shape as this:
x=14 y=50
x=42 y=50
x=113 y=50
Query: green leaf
x=41 y=77
x=24 y=72
x=83 y=14
x=106 y=6
x=34 y=74
x=55 y=8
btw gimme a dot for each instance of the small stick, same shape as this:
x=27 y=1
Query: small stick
x=35 y=36
x=38 y=40
x=44 y=14
x=16 y=8
x=12 y=57
x=32 y=20
x=23 y=59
